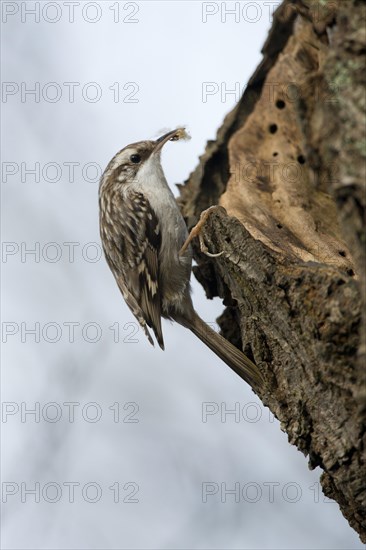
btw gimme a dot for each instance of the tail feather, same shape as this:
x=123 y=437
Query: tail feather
x=231 y=355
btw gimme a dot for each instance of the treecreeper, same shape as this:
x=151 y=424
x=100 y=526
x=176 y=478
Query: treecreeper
x=146 y=245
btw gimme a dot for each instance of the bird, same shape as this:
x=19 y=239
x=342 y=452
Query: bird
x=144 y=239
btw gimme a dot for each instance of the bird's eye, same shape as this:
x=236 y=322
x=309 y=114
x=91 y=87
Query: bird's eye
x=135 y=159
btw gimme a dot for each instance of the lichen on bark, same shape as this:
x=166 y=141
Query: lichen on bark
x=288 y=166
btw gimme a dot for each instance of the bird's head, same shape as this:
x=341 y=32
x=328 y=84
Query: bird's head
x=137 y=159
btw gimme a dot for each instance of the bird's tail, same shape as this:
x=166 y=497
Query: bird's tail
x=231 y=355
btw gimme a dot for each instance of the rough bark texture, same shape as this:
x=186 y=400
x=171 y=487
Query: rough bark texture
x=288 y=166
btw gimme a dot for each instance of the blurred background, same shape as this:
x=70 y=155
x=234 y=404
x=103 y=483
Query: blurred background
x=108 y=442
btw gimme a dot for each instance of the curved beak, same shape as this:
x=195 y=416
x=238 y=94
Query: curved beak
x=160 y=142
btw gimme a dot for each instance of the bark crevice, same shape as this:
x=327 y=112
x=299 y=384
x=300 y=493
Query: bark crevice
x=288 y=168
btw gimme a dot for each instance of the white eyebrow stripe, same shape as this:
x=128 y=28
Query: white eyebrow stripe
x=123 y=157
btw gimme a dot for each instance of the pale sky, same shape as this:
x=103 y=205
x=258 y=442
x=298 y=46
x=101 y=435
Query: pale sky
x=128 y=447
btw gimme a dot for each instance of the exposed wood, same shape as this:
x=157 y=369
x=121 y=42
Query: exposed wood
x=288 y=166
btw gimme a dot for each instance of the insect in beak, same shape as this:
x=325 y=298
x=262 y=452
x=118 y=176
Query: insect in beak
x=173 y=135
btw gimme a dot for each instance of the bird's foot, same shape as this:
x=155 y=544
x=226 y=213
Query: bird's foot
x=196 y=231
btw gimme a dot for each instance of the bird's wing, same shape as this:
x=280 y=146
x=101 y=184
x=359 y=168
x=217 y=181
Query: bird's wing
x=139 y=240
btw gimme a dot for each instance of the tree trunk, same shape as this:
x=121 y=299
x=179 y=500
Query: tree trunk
x=288 y=166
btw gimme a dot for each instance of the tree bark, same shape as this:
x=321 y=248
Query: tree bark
x=288 y=168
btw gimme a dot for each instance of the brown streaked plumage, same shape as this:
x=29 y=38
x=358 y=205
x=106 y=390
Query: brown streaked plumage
x=142 y=232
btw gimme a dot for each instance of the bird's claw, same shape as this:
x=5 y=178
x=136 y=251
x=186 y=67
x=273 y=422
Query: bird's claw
x=205 y=250
x=196 y=232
